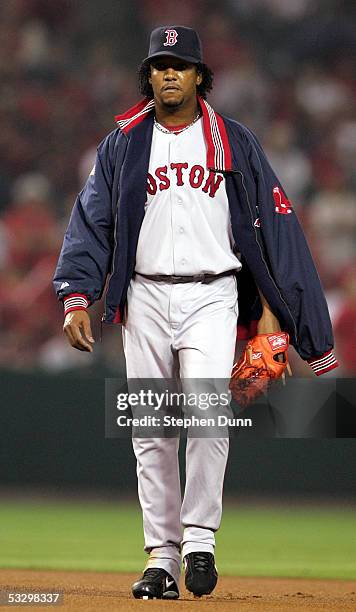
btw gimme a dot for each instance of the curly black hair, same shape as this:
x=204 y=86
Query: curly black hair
x=146 y=90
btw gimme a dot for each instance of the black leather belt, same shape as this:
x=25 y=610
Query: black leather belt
x=196 y=278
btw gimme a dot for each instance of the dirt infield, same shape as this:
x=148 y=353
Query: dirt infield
x=108 y=591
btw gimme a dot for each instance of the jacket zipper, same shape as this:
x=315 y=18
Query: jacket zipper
x=112 y=267
x=263 y=259
x=103 y=318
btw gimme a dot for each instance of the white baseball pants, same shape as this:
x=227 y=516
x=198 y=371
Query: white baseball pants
x=186 y=330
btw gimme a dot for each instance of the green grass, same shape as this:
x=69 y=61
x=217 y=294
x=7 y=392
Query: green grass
x=253 y=541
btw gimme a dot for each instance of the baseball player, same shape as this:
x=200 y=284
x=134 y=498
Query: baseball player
x=185 y=223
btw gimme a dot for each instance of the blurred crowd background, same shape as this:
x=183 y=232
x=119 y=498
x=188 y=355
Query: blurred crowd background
x=285 y=68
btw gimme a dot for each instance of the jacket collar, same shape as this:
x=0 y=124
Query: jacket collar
x=219 y=156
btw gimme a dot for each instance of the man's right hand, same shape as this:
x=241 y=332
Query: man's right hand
x=78 y=331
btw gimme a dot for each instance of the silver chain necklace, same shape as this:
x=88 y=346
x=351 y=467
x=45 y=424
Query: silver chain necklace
x=165 y=131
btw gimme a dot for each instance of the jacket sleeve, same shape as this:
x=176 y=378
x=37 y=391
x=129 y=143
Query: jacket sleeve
x=86 y=252
x=291 y=263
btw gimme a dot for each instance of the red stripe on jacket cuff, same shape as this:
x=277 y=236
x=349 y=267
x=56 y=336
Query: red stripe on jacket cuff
x=75 y=301
x=324 y=363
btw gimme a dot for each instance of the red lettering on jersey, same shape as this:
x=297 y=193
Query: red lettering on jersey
x=179 y=169
x=211 y=184
x=196 y=176
x=161 y=174
x=151 y=184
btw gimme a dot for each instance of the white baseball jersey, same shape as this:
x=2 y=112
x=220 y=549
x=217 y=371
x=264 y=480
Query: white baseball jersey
x=188 y=327
x=186 y=229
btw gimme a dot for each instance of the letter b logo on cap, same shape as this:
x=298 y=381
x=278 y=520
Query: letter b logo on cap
x=171 y=38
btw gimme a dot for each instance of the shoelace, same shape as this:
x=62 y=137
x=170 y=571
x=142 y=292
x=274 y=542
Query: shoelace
x=201 y=562
x=153 y=572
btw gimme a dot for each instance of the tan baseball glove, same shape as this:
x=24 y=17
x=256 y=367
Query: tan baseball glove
x=264 y=359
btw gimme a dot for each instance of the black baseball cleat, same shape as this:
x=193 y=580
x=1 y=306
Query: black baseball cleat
x=155 y=583
x=201 y=574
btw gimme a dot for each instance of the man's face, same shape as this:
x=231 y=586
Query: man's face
x=174 y=81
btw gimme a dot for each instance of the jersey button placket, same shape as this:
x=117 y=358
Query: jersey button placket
x=182 y=243
x=176 y=200
x=174 y=301
x=180 y=218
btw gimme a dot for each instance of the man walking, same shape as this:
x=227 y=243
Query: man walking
x=185 y=221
